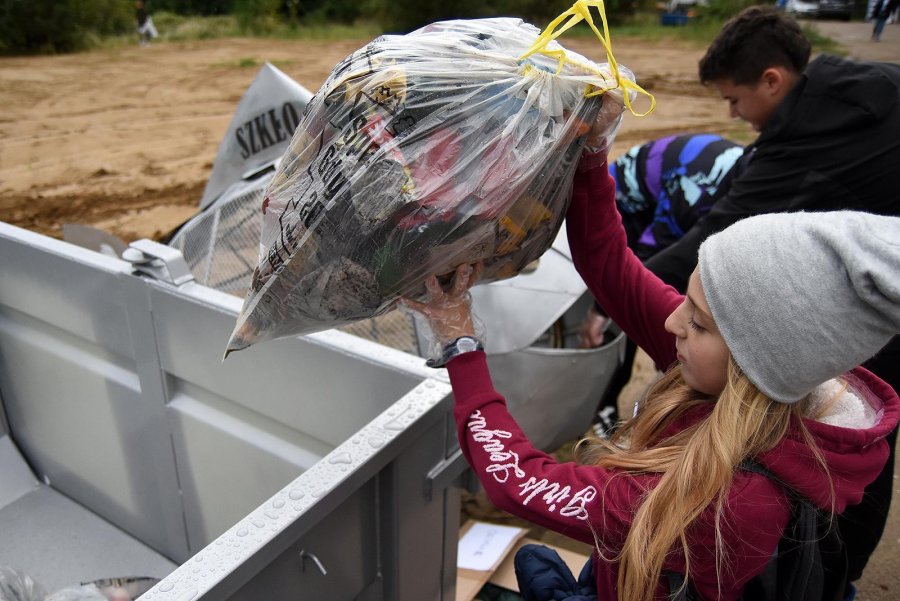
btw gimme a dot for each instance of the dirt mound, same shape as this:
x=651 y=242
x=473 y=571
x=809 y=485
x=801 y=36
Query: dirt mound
x=124 y=139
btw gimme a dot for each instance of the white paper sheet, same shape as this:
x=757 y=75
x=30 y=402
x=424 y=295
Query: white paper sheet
x=484 y=545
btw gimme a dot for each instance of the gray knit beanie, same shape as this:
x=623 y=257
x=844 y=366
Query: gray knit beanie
x=803 y=297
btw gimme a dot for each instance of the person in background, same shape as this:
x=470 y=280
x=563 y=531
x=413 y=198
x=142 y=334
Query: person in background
x=145 y=28
x=881 y=12
x=665 y=186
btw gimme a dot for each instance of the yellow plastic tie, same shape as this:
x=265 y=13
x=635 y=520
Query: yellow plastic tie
x=580 y=11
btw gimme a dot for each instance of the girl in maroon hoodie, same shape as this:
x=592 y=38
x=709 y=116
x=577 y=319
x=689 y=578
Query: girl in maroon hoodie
x=759 y=360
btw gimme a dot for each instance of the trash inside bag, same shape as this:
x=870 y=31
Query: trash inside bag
x=16 y=585
x=86 y=592
x=419 y=153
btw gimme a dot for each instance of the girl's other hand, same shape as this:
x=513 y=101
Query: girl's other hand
x=592 y=330
x=605 y=125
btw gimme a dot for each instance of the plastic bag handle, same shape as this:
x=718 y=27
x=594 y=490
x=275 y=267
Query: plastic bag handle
x=580 y=11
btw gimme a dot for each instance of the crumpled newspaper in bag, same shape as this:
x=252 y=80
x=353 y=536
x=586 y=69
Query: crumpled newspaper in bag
x=419 y=153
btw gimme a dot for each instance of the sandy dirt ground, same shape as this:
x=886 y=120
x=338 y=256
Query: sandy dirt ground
x=124 y=140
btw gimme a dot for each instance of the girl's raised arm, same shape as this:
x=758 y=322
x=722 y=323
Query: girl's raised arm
x=635 y=299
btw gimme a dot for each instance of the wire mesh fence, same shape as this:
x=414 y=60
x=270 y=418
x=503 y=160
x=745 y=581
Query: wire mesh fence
x=221 y=247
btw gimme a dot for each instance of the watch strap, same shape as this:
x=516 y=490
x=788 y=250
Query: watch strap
x=463 y=344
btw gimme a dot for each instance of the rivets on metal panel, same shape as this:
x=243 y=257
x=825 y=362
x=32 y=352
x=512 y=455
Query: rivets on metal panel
x=304 y=555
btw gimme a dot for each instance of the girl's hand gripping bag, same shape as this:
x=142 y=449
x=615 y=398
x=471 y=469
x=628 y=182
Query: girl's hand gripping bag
x=455 y=143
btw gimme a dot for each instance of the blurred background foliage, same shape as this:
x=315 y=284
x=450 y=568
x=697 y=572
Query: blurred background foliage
x=56 y=26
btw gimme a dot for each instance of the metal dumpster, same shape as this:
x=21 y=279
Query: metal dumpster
x=321 y=467
x=316 y=468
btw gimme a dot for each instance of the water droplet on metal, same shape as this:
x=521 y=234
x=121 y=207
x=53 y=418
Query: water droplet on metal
x=191 y=594
x=166 y=587
x=242 y=532
x=340 y=458
x=278 y=503
x=295 y=494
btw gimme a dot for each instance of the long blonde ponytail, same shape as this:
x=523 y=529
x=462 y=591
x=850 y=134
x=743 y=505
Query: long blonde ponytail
x=696 y=465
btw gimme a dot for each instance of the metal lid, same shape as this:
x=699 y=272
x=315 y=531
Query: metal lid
x=260 y=130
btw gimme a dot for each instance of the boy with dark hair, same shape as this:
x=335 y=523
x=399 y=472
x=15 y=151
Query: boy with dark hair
x=752 y=42
x=829 y=139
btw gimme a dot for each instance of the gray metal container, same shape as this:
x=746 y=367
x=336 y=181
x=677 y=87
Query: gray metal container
x=320 y=467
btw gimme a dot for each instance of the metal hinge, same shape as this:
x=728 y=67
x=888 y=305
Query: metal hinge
x=158 y=261
x=445 y=473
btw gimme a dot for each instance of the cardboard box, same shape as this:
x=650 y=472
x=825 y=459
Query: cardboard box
x=493 y=549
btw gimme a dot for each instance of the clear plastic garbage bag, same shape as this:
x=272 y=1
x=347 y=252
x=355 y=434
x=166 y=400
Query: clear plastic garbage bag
x=453 y=144
x=18 y=586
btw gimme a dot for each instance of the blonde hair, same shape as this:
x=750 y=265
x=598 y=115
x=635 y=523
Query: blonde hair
x=697 y=466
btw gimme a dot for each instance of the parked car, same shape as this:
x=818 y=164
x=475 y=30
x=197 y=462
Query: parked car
x=819 y=9
x=835 y=9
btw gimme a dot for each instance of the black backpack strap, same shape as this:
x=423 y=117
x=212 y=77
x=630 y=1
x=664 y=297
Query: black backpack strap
x=677 y=589
x=809 y=564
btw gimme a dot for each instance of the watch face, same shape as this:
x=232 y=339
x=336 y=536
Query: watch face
x=467 y=345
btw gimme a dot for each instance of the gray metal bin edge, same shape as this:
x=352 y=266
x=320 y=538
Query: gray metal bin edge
x=221 y=568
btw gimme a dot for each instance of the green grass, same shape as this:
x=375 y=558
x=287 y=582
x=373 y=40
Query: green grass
x=174 y=27
x=180 y=28
x=698 y=31
x=646 y=26
x=643 y=26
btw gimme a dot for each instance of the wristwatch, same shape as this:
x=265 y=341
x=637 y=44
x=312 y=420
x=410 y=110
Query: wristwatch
x=463 y=344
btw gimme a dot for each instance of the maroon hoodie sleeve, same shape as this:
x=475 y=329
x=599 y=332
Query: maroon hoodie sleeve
x=594 y=505
x=578 y=501
x=636 y=299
